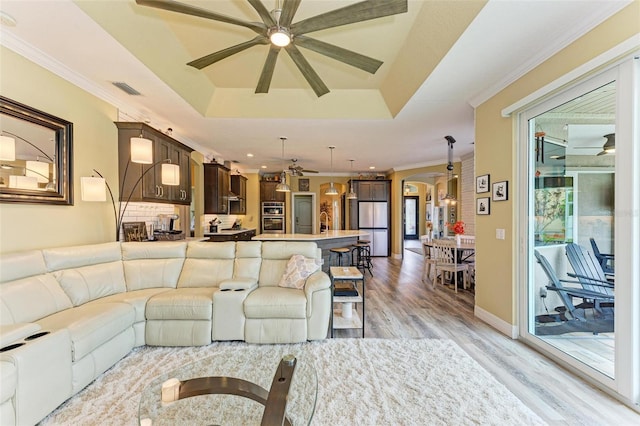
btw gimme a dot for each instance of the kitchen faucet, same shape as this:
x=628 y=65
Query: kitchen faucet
x=326 y=220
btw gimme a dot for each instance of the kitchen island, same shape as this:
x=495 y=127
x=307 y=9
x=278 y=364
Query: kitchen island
x=325 y=240
x=233 y=234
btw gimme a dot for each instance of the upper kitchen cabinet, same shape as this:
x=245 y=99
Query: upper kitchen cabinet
x=238 y=205
x=268 y=191
x=143 y=182
x=372 y=190
x=216 y=189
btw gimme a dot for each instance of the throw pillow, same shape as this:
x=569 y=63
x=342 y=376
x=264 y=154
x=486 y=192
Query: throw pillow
x=297 y=271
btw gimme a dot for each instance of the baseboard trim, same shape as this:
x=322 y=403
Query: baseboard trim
x=499 y=324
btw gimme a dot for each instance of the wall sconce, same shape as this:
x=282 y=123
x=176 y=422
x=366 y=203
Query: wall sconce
x=141 y=152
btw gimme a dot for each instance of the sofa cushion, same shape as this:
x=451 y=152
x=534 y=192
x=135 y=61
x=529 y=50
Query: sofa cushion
x=150 y=265
x=78 y=256
x=276 y=255
x=275 y=302
x=137 y=298
x=90 y=325
x=297 y=271
x=248 y=260
x=31 y=298
x=91 y=282
x=238 y=284
x=182 y=304
x=207 y=264
x=15 y=266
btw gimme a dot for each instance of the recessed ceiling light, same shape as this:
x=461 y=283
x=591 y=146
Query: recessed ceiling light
x=372 y=167
x=263 y=167
x=8 y=20
x=249 y=155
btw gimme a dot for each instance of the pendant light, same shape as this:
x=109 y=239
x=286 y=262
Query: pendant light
x=450 y=198
x=282 y=186
x=332 y=190
x=352 y=194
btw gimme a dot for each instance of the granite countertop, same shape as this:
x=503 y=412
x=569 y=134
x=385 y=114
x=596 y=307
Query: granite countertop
x=229 y=232
x=330 y=235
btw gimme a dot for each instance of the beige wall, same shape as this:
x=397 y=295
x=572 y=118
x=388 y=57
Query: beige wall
x=95 y=140
x=495 y=154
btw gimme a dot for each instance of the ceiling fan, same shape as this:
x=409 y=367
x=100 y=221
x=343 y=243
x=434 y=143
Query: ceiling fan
x=609 y=147
x=296 y=170
x=278 y=31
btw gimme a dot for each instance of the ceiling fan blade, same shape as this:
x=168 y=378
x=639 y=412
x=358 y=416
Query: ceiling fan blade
x=358 y=12
x=212 y=58
x=308 y=73
x=289 y=9
x=310 y=171
x=349 y=57
x=267 y=70
x=263 y=12
x=175 y=6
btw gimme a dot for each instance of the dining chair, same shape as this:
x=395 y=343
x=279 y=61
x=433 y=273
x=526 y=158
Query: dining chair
x=470 y=258
x=428 y=257
x=447 y=261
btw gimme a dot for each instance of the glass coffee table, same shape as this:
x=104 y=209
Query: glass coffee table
x=220 y=391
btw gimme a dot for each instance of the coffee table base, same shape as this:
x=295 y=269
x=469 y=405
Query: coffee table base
x=275 y=401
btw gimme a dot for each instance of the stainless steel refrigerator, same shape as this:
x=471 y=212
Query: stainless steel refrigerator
x=373 y=217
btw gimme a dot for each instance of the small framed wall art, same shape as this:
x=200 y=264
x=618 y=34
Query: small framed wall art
x=500 y=191
x=303 y=184
x=483 y=206
x=482 y=184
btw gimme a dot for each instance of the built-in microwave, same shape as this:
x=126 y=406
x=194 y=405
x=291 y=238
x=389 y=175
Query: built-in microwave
x=272 y=208
x=273 y=224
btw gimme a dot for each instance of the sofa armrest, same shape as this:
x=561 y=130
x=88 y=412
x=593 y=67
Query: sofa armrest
x=11 y=333
x=239 y=284
x=317 y=281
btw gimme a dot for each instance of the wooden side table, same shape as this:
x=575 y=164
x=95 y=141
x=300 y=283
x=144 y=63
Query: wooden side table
x=347 y=317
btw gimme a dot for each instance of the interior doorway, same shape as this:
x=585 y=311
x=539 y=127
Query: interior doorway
x=303 y=213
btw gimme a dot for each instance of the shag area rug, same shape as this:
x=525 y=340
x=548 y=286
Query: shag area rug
x=360 y=382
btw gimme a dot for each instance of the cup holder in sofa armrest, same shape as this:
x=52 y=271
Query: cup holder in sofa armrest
x=35 y=336
x=10 y=347
x=238 y=284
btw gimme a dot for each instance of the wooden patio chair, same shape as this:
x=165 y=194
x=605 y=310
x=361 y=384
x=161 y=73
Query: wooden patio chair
x=568 y=293
x=606 y=260
x=589 y=273
x=447 y=261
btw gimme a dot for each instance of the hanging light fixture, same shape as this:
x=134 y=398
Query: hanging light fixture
x=282 y=186
x=352 y=194
x=450 y=198
x=332 y=190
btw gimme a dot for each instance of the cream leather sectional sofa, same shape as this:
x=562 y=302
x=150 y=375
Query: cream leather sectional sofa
x=68 y=314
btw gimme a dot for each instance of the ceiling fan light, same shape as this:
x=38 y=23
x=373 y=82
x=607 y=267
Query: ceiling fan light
x=280 y=37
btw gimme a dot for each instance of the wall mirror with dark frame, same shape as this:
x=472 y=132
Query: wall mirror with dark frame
x=35 y=156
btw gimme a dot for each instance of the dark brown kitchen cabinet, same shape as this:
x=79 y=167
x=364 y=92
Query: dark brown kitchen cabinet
x=238 y=188
x=143 y=182
x=372 y=190
x=216 y=189
x=268 y=191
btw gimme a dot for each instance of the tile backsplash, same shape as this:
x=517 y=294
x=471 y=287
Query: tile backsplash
x=145 y=212
x=227 y=220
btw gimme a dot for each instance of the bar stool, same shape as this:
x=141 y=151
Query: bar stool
x=339 y=253
x=361 y=251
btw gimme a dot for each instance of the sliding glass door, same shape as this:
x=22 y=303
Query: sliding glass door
x=579 y=284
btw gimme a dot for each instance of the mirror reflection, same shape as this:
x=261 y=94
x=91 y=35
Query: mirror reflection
x=35 y=154
x=27 y=155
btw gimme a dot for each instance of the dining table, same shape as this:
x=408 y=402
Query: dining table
x=464 y=250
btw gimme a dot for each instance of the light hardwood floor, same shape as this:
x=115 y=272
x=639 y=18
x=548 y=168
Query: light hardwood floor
x=400 y=305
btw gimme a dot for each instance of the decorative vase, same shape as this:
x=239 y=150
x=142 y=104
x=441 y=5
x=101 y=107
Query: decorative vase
x=458 y=239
